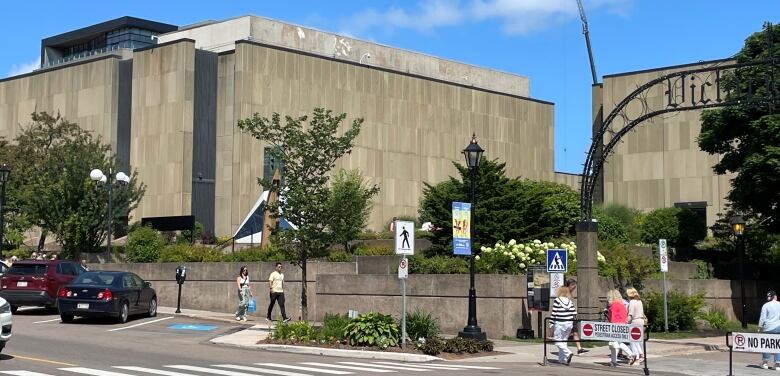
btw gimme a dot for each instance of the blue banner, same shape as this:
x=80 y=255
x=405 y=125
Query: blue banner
x=461 y=228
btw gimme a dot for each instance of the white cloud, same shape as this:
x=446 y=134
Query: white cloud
x=23 y=68
x=515 y=16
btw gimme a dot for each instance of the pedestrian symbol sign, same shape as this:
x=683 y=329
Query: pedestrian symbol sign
x=404 y=237
x=556 y=260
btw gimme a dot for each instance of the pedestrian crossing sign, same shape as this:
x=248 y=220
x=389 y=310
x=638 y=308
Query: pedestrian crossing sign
x=556 y=260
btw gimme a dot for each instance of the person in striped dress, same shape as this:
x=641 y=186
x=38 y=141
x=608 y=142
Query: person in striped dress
x=562 y=316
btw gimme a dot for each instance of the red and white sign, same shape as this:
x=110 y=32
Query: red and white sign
x=605 y=331
x=403 y=269
x=756 y=342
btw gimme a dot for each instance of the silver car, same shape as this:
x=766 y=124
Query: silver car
x=6 y=321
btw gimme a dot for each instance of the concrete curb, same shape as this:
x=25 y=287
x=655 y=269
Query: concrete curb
x=342 y=353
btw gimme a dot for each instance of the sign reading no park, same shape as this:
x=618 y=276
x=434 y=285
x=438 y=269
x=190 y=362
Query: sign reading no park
x=605 y=331
x=755 y=342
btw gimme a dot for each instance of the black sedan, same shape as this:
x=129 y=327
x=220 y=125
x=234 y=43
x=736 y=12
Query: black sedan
x=106 y=293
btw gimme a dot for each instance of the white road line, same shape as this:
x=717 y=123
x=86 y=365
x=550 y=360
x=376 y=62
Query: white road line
x=419 y=366
x=299 y=368
x=347 y=367
x=41 y=322
x=459 y=366
x=93 y=372
x=139 y=324
x=153 y=371
x=211 y=370
x=24 y=373
x=404 y=368
x=261 y=370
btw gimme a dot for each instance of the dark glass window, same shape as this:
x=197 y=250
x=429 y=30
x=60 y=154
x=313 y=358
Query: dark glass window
x=270 y=164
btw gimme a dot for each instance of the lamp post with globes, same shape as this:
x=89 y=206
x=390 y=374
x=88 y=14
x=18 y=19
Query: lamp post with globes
x=738 y=228
x=5 y=172
x=473 y=153
x=120 y=180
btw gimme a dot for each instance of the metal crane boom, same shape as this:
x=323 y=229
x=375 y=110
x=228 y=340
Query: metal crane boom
x=587 y=41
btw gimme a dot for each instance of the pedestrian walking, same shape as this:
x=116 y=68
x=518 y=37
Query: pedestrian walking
x=562 y=316
x=244 y=293
x=276 y=287
x=636 y=316
x=769 y=322
x=618 y=314
x=84 y=264
x=571 y=283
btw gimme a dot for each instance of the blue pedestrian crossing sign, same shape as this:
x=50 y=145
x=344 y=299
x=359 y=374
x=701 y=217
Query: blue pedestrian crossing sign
x=556 y=260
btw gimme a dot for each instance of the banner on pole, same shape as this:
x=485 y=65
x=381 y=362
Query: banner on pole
x=461 y=228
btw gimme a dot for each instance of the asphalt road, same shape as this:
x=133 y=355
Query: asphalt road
x=176 y=346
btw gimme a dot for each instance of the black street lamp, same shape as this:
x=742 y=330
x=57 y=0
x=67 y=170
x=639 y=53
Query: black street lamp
x=473 y=154
x=5 y=173
x=121 y=179
x=738 y=228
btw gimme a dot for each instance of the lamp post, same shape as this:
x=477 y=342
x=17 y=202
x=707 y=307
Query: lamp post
x=5 y=172
x=120 y=179
x=738 y=228
x=473 y=154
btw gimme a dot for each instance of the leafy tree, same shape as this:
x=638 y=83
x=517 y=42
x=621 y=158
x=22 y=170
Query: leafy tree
x=144 y=244
x=506 y=208
x=52 y=189
x=625 y=267
x=660 y=224
x=747 y=133
x=308 y=152
x=349 y=205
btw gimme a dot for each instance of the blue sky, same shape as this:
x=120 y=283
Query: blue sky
x=540 y=39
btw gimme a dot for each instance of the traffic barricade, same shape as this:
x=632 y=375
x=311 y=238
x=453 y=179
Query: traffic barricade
x=592 y=331
x=751 y=342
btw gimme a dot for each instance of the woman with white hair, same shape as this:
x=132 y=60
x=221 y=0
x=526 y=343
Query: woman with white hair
x=636 y=316
x=562 y=316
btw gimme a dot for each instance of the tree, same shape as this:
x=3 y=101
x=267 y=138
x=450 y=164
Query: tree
x=660 y=223
x=506 y=208
x=308 y=152
x=52 y=189
x=350 y=206
x=747 y=133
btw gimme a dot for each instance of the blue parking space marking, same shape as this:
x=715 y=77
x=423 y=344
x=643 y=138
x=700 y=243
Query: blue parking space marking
x=198 y=327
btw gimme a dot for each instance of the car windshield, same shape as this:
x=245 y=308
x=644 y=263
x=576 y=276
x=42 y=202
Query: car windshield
x=95 y=278
x=28 y=269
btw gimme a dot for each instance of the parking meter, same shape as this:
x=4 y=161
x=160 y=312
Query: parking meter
x=181 y=276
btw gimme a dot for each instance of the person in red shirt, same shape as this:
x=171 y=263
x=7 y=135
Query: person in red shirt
x=618 y=314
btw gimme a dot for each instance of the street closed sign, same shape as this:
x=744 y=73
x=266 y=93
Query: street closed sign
x=605 y=331
x=756 y=342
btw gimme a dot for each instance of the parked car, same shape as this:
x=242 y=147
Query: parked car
x=107 y=294
x=36 y=282
x=6 y=321
x=3 y=268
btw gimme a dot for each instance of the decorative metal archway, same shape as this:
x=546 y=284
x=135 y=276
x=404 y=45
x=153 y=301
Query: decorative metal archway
x=686 y=90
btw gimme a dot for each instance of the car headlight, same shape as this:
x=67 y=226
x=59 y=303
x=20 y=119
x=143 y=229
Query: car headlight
x=5 y=308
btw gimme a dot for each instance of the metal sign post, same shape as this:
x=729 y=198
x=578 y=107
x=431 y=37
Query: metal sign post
x=404 y=245
x=664 y=258
x=403 y=273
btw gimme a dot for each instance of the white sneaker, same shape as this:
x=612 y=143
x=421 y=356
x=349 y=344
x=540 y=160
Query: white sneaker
x=765 y=366
x=238 y=318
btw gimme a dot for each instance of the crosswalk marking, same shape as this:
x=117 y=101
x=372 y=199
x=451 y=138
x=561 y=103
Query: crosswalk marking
x=348 y=367
x=153 y=371
x=262 y=370
x=416 y=365
x=327 y=371
x=94 y=372
x=459 y=366
x=401 y=368
x=24 y=373
x=211 y=370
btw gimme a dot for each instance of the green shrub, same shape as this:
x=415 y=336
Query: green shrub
x=20 y=253
x=431 y=346
x=421 y=324
x=682 y=310
x=254 y=254
x=299 y=331
x=660 y=224
x=333 y=327
x=144 y=245
x=457 y=345
x=624 y=266
x=339 y=256
x=372 y=329
x=419 y=264
x=702 y=269
x=716 y=318
x=188 y=253
x=374 y=250
x=611 y=229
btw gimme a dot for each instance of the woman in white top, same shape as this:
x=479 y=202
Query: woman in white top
x=244 y=293
x=636 y=316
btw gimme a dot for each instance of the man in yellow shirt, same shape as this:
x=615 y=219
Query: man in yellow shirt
x=275 y=285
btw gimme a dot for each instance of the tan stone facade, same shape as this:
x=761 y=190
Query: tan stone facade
x=660 y=164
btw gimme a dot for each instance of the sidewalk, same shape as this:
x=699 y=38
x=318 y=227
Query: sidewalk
x=523 y=352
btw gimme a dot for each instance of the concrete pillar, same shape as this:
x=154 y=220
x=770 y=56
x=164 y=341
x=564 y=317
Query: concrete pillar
x=588 y=306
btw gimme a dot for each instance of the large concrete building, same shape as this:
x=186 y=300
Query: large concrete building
x=168 y=98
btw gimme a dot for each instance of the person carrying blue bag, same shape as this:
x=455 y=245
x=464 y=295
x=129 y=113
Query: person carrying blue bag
x=244 y=293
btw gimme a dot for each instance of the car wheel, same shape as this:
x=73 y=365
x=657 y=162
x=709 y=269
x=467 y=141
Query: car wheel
x=153 y=307
x=66 y=318
x=14 y=308
x=124 y=311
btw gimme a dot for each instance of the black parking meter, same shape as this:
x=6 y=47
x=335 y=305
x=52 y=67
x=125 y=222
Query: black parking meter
x=181 y=276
